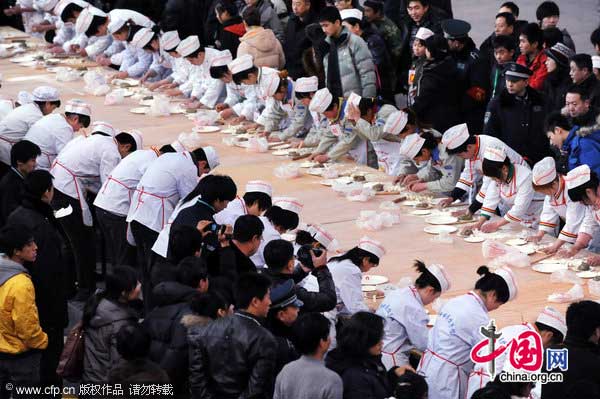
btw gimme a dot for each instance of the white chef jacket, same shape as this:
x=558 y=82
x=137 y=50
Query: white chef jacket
x=214 y=93
x=51 y=133
x=168 y=179
x=560 y=206
x=234 y=210
x=202 y=82
x=517 y=200
x=347 y=278
x=118 y=189
x=136 y=61
x=78 y=39
x=388 y=152
x=196 y=74
x=31 y=18
x=161 y=245
x=181 y=69
x=591 y=222
x=446 y=363
x=83 y=165
x=161 y=65
x=6 y=106
x=96 y=45
x=15 y=126
x=269 y=234
x=99 y=44
x=405 y=325
x=64 y=32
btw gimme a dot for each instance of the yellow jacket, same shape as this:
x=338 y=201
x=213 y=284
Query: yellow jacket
x=20 y=328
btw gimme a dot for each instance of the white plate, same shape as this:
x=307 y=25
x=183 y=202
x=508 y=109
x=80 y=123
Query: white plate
x=327 y=182
x=344 y=180
x=527 y=249
x=139 y=110
x=548 y=268
x=551 y=260
x=442 y=219
x=146 y=103
x=206 y=129
x=315 y=171
x=421 y=212
x=515 y=242
x=440 y=229
x=369 y=288
x=288 y=237
x=283 y=146
x=280 y=153
x=374 y=279
x=588 y=274
x=410 y=203
x=474 y=239
x=128 y=93
x=308 y=164
x=432 y=320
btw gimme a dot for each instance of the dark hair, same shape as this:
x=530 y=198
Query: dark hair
x=335 y=102
x=547 y=9
x=166 y=148
x=377 y=6
x=557 y=336
x=300 y=95
x=278 y=254
x=308 y=332
x=40 y=104
x=577 y=89
x=212 y=188
x=426 y=278
x=243 y=75
x=490 y=391
x=533 y=33
x=410 y=386
x=149 y=45
x=37 y=183
x=551 y=36
x=437 y=46
x=208 y=304
x=303 y=237
x=14 y=237
x=583 y=389
x=217 y=72
x=430 y=142
x=363 y=331
x=251 y=16
x=356 y=255
x=246 y=227
x=463 y=147
x=583 y=61
x=126 y=138
x=494 y=168
x=133 y=342
x=492 y=282
x=330 y=14
x=184 y=241
x=512 y=6
x=97 y=21
x=508 y=18
x=195 y=53
x=504 y=41
x=226 y=6
x=583 y=318
x=369 y=103
x=353 y=21
x=69 y=11
x=249 y=286
x=288 y=220
x=424 y=3
x=192 y=270
x=556 y=119
x=24 y=151
x=595 y=37
x=83 y=119
x=578 y=194
x=263 y=200
x=127 y=27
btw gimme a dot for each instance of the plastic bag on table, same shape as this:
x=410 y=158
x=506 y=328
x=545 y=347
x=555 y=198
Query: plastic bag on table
x=330 y=173
x=594 y=286
x=389 y=206
x=95 y=84
x=504 y=255
x=257 y=144
x=115 y=97
x=160 y=106
x=65 y=74
x=206 y=118
x=364 y=196
x=442 y=238
x=343 y=189
x=370 y=221
x=565 y=276
x=191 y=140
x=287 y=171
x=574 y=294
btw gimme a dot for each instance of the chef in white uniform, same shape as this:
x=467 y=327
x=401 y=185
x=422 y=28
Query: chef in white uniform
x=552 y=327
x=557 y=206
x=215 y=88
x=446 y=363
x=282 y=217
x=510 y=190
x=240 y=99
x=194 y=53
x=256 y=200
x=163 y=63
x=180 y=67
x=15 y=125
x=471 y=148
x=136 y=60
x=278 y=110
x=65 y=23
x=69 y=12
x=54 y=131
x=405 y=316
x=320 y=238
x=29 y=15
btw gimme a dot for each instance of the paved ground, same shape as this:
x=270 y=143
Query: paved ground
x=580 y=17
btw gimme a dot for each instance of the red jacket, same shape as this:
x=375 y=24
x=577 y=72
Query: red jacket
x=538 y=66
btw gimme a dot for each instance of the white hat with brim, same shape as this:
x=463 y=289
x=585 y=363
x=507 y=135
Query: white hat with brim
x=544 y=172
x=45 y=93
x=241 y=63
x=103 y=127
x=289 y=204
x=79 y=107
x=372 y=246
x=439 y=272
x=411 y=145
x=321 y=100
x=259 y=186
x=211 y=157
x=455 y=136
x=395 y=122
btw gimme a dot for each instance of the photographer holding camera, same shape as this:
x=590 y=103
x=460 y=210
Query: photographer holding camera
x=279 y=256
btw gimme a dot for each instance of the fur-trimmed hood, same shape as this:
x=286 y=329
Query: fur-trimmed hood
x=194 y=320
x=588 y=130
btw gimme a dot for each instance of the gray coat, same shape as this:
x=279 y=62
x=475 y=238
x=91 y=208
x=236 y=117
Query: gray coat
x=356 y=66
x=270 y=20
x=100 y=339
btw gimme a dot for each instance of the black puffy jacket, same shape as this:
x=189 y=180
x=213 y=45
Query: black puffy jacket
x=232 y=357
x=169 y=343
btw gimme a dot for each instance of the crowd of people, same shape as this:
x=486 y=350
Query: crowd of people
x=200 y=290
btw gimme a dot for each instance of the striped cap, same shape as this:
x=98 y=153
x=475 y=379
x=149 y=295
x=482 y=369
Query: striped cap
x=79 y=107
x=411 y=145
x=289 y=204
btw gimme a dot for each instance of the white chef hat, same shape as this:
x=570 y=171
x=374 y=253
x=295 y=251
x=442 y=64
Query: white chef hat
x=321 y=100
x=178 y=146
x=395 y=122
x=455 y=136
x=115 y=24
x=578 y=176
x=510 y=280
x=259 y=186
x=544 y=172
x=439 y=272
x=411 y=145
x=241 y=63
x=60 y=7
x=211 y=157
x=307 y=85
x=596 y=61
x=497 y=154
x=351 y=13
x=47 y=5
x=372 y=246
x=223 y=58
x=169 y=40
x=137 y=137
x=269 y=83
x=424 y=34
x=44 y=93
x=188 y=45
x=86 y=17
x=80 y=107
x=553 y=318
x=289 y=204
x=103 y=127
x=142 y=37
x=321 y=235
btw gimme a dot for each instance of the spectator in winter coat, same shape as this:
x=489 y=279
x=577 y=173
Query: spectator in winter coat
x=532 y=55
x=268 y=17
x=296 y=39
x=231 y=27
x=582 y=74
x=578 y=107
x=558 y=80
x=183 y=16
x=504 y=52
x=548 y=15
x=260 y=43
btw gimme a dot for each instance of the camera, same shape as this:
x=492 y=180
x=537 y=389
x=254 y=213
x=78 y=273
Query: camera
x=304 y=256
x=214 y=228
